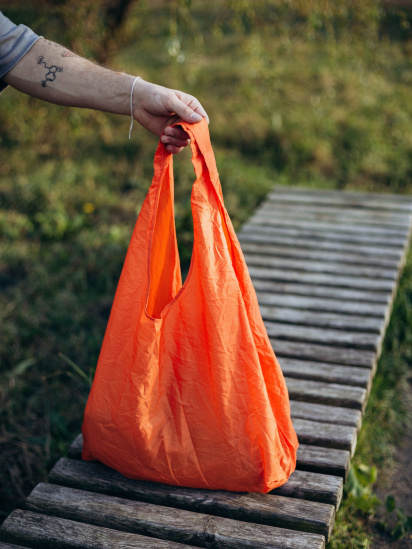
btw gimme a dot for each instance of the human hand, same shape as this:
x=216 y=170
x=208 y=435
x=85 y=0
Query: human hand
x=156 y=108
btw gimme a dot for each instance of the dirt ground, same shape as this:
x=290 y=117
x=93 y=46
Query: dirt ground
x=400 y=486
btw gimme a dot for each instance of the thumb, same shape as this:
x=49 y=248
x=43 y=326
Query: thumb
x=186 y=112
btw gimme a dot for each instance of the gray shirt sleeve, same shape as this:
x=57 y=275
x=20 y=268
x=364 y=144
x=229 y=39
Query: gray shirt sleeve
x=15 y=42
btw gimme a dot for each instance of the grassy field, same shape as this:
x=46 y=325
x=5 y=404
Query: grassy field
x=311 y=95
x=384 y=424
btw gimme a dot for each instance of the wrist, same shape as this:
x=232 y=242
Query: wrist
x=139 y=88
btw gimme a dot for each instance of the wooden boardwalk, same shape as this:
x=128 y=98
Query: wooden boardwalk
x=325 y=266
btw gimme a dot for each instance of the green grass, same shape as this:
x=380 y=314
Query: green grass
x=295 y=96
x=386 y=417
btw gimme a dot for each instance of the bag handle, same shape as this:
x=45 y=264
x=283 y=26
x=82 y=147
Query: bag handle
x=165 y=284
x=203 y=158
x=201 y=146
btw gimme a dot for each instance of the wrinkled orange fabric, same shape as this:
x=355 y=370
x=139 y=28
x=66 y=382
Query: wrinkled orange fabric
x=188 y=390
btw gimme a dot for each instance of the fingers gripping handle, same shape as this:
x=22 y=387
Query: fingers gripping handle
x=199 y=135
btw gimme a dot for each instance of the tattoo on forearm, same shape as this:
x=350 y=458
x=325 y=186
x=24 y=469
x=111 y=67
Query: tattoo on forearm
x=67 y=54
x=51 y=71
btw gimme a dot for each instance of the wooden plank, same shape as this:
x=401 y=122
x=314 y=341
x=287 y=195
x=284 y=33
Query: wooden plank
x=285 y=216
x=329 y=373
x=281 y=215
x=396 y=222
x=345 y=396
x=303 y=254
x=4 y=545
x=317 y=266
x=308 y=243
x=58 y=533
x=325 y=414
x=309 y=290
x=320 y=319
x=324 y=353
x=162 y=522
x=393 y=218
x=328 y=435
x=368 y=201
x=349 y=194
x=254 y=507
x=385 y=215
x=323 y=460
x=309 y=458
x=327 y=305
x=345 y=195
x=313 y=487
x=359 y=282
x=337 y=236
x=324 y=336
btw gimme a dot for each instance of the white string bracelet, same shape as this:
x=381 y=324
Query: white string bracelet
x=131 y=104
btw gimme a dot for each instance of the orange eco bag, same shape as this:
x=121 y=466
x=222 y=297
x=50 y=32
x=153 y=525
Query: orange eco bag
x=188 y=390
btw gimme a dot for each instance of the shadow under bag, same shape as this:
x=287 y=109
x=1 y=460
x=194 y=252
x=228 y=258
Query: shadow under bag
x=188 y=390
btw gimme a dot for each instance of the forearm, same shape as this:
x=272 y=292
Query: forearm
x=50 y=72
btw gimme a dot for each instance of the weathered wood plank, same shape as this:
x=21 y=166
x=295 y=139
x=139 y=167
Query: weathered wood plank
x=4 y=545
x=57 y=533
x=398 y=203
x=253 y=507
x=307 y=254
x=329 y=373
x=359 y=282
x=324 y=353
x=329 y=461
x=341 y=269
x=309 y=458
x=345 y=396
x=344 y=217
x=349 y=195
x=162 y=522
x=321 y=319
x=351 y=215
x=324 y=292
x=353 y=238
x=281 y=217
x=327 y=305
x=328 y=435
x=325 y=336
x=313 y=487
x=325 y=414
x=393 y=218
x=311 y=244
